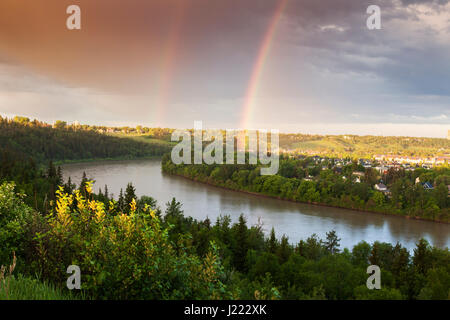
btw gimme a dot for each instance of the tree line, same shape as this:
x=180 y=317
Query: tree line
x=306 y=180
x=42 y=142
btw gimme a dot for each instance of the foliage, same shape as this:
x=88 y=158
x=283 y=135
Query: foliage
x=43 y=143
x=123 y=256
x=321 y=182
x=14 y=215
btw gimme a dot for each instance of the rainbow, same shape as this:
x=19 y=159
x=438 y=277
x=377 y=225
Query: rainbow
x=258 y=67
x=168 y=62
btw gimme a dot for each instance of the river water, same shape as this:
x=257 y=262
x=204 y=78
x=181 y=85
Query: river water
x=295 y=220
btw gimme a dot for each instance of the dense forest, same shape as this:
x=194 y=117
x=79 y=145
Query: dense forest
x=305 y=180
x=42 y=142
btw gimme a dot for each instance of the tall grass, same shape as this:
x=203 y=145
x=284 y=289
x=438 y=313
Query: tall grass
x=25 y=288
x=19 y=287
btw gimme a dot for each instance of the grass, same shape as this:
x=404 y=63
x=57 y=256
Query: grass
x=25 y=288
x=19 y=287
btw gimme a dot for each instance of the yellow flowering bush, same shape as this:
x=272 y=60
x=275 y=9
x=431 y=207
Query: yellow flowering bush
x=122 y=256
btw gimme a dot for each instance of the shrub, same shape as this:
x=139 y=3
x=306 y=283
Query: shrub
x=123 y=256
x=14 y=218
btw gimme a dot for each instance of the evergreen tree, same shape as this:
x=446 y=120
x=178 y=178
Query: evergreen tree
x=332 y=242
x=241 y=244
x=130 y=194
x=375 y=256
x=106 y=193
x=121 y=201
x=284 y=251
x=59 y=177
x=51 y=170
x=422 y=256
x=69 y=186
x=400 y=261
x=83 y=182
x=173 y=208
x=272 y=243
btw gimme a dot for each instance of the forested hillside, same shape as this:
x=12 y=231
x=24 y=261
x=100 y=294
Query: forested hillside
x=42 y=142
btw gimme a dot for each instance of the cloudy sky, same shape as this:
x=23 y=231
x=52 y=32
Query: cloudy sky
x=294 y=65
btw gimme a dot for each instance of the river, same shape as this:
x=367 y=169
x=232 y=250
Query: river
x=295 y=220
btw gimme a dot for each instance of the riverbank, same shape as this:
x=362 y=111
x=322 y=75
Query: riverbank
x=310 y=203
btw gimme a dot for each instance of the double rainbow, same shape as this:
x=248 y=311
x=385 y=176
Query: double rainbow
x=169 y=58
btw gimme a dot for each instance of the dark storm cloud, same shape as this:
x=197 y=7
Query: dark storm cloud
x=415 y=60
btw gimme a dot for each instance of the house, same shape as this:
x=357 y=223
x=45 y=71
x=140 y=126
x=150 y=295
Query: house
x=381 y=187
x=428 y=186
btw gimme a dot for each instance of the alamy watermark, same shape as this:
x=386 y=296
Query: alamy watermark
x=257 y=141
x=374 y=280
x=74 y=280
x=374 y=20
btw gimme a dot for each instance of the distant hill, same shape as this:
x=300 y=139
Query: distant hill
x=42 y=142
x=73 y=142
x=364 y=146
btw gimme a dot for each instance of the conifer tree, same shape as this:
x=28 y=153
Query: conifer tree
x=106 y=192
x=332 y=242
x=241 y=244
x=272 y=243
x=130 y=194
x=284 y=250
x=59 y=177
x=121 y=201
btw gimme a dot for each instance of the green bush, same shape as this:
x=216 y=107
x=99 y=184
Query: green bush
x=14 y=218
x=123 y=256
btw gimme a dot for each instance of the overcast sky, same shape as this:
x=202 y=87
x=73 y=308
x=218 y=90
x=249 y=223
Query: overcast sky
x=171 y=62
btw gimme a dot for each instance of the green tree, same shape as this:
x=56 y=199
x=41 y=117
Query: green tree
x=241 y=245
x=422 y=256
x=272 y=243
x=130 y=195
x=332 y=241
